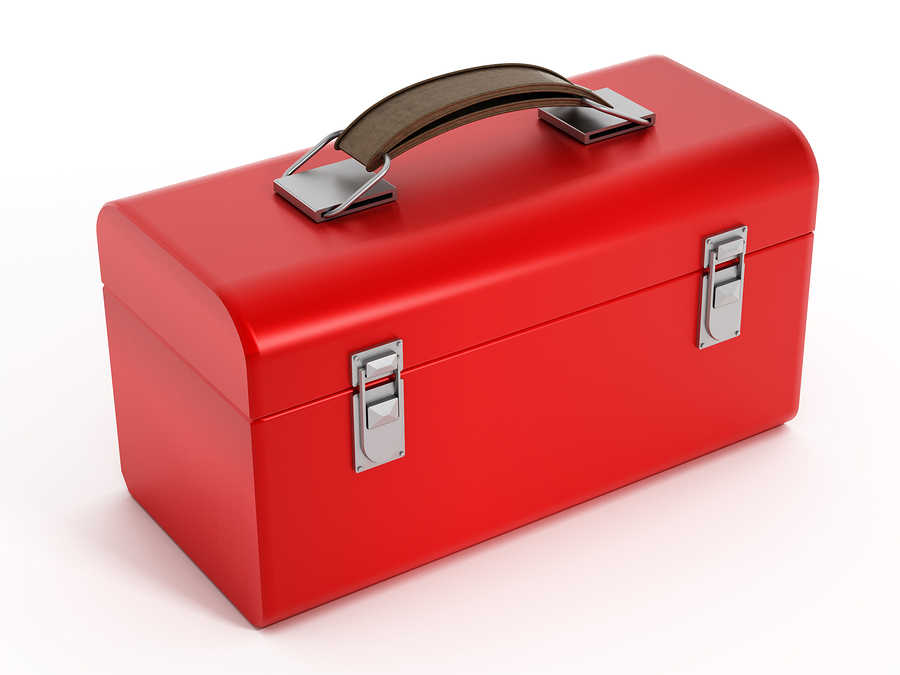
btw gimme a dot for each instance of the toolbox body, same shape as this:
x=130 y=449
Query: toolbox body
x=547 y=295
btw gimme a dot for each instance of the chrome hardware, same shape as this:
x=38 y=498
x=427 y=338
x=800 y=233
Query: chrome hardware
x=615 y=113
x=330 y=190
x=598 y=122
x=378 y=422
x=721 y=296
x=312 y=151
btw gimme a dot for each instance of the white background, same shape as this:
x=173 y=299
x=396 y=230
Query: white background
x=777 y=555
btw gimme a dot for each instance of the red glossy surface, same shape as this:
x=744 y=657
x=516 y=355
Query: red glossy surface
x=547 y=294
x=186 y=457
x=178 y=305
x=499 y=225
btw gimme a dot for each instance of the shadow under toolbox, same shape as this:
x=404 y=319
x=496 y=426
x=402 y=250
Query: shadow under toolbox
x=319 y=387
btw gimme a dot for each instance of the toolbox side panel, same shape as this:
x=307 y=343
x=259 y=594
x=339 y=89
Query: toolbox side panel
x=186 y=457
x=188 y=315
x=522 y=427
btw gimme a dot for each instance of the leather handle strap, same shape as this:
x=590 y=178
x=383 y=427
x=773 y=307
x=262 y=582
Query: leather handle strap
x=429 y=108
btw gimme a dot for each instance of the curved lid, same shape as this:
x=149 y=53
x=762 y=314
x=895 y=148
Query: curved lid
x=501 y=225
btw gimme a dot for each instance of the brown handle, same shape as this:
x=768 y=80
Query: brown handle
x=429 y=108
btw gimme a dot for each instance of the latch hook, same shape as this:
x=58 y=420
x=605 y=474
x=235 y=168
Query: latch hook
x=722 y=294
x=378 y=420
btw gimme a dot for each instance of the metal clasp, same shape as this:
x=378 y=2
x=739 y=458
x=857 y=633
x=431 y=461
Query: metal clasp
x=598 y=122
x=722 y=294
x=330 y=190
x=378 y=420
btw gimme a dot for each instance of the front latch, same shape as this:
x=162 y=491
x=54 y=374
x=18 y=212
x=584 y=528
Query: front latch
x=378 y=421
x=722 y=294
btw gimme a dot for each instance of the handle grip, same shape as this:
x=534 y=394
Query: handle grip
x=429 y=108
x=424 y=110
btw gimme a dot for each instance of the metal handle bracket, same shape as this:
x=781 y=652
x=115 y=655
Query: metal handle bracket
x=598 y=122
x=330 y=190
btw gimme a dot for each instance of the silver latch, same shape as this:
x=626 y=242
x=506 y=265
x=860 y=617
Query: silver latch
x=722 y=294
x=378 y=421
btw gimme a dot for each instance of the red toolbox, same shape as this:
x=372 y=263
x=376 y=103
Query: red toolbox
x=311 y=402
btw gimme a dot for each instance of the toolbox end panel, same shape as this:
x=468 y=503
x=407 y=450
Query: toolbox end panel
x=553 y=416
x=181 y=309
x=186 y=458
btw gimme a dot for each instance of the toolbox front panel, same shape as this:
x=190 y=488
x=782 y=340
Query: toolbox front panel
x=519 y=428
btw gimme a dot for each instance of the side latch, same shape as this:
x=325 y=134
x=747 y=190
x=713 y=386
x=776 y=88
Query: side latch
x=722 y=291
x=378 y=420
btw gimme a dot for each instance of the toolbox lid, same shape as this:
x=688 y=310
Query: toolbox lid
x=500 y=226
